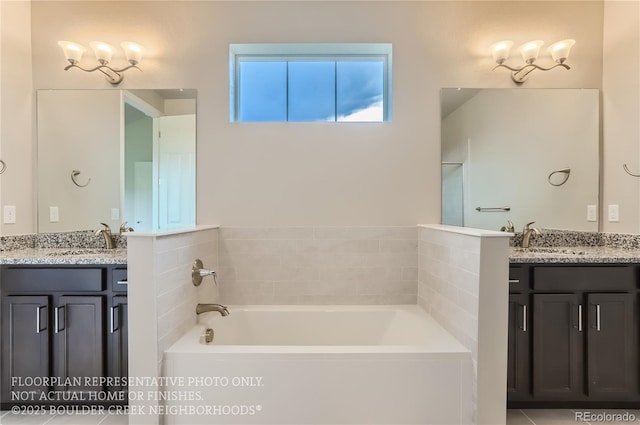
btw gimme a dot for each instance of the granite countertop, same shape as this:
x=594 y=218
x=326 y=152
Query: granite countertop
x=61 y=256
x=574 y=254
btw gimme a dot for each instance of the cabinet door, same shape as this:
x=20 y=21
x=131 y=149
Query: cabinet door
x=612 y=347
x=25 y=344
x=78 y=339
x=518 y=350
x=558 y=328
x=119 y=336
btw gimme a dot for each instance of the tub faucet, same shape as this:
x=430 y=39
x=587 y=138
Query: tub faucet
x=108 y=237
x=526 y=234
x=203 y=308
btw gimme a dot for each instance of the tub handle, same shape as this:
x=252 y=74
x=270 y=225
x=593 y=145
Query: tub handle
x=198 y=272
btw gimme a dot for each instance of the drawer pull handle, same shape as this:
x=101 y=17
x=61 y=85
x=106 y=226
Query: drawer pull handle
x=524 y=318
x=598 y=317
x=112 y=327
x=56 y=319
x=121 y=282
x=514 y=280
x=38 y=324
x=580 y=318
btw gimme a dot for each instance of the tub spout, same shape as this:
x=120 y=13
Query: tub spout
x=203 y=308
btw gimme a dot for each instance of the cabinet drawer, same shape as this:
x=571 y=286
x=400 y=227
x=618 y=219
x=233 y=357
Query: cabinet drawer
x=518 y=278
x=119 y=280
x=591 y=278
x=52 y=279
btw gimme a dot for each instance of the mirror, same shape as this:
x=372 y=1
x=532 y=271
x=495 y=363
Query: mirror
x=521 y=155
x=114 y=156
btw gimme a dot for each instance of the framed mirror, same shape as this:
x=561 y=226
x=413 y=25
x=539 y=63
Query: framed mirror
x=115 y=156
x=521 y=155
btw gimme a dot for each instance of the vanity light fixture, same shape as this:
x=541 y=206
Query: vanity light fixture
x=559 y=53
x=103 y=52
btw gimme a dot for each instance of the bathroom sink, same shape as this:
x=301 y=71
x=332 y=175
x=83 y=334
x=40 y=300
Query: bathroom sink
x=551 y=250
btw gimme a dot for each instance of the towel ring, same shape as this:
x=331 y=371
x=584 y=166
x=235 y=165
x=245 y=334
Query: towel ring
x=629 y=172
x=565 y=171
x=3 y=166
x=74 y=175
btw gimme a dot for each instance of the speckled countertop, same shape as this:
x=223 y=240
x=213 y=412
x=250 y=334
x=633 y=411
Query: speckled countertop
x=575 y=254
x=61 y=256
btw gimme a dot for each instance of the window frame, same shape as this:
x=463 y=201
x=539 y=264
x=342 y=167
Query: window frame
x=318 y=52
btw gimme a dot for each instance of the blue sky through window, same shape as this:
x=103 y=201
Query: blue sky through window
x=301 y=90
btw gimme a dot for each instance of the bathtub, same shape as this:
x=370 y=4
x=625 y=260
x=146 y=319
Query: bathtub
x=318 y=365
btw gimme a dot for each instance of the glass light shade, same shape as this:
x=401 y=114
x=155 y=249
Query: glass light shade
x=103 y=51
x=132 y=51
x=500 y=50
x=72 y=51
x=560 y=51
x=530 y=50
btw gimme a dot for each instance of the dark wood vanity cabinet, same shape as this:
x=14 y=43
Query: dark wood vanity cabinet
x=61 y=322
x=574 y=337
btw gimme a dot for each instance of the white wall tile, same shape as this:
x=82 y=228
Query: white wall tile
x=308 y=265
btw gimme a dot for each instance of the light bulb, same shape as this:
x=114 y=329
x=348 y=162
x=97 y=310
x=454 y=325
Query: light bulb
x=530 y=50
x=72 y=51
x=132 y=51
x=103 y=51
x=560 y=51
x=500 y=50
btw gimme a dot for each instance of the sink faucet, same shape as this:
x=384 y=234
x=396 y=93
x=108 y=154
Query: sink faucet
x=124 y=228
x=203 y=308
x=526 y=234
x=108 y=237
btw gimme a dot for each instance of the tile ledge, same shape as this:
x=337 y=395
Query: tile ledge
x=469 y=231
x=169 y=232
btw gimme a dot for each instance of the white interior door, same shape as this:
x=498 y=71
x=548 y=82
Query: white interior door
x=176 y=170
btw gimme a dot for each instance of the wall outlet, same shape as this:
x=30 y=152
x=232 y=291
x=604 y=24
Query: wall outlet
x=9 y=216
x=115 y=213
x=592 y=213
x=54 y=215
x=614 y=213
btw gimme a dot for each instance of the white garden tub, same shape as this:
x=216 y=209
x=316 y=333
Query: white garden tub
x=319 y=365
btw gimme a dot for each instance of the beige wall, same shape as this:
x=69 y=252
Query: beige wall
x=316 y=174
x=621 y=109
x=16 y=118
x=324 y=190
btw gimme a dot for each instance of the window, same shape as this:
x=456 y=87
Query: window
x=310 y=82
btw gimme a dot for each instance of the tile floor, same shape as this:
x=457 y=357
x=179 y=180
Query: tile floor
x=573 y=417
x=514 y=417
x=8 y=418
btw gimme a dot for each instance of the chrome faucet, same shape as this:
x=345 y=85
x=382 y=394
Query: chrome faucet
x=203 y=308
x=124 y=228
x=108 y=237
x=508 y=228
x=526 y=234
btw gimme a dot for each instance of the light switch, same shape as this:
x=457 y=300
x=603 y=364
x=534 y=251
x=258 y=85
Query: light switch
x=614 y=213
x=592 y=213
x=54 y=216
x=9 y=214
x=115 y=213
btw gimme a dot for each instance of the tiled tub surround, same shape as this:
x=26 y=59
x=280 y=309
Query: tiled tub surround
x=163 y=298
x=318 y=265
x=463 y=275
